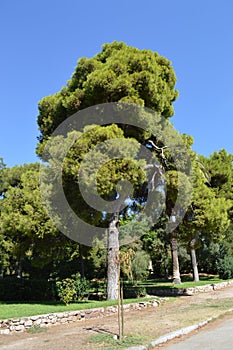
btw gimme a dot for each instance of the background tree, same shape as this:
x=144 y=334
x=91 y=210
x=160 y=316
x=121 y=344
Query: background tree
x=156 y=243
x=27 y=232
x=219 y=172
x=178 y=190
x=207 y=213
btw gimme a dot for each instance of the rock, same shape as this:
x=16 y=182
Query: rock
x=34 y=318
x=19 y=328
x=28 y=323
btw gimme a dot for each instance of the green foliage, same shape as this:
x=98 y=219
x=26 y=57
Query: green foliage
x=66 y=290
x=156 y=244
x=26 y=231
x=207 y=216
x=109 y=343
x=208 y=254
x=25 y=309
x=72 y=289
x=132 y=291
x=81 y=286
x=11 y=177
x=97 y=263
x=187 y=282
x=220 y=172
x=29 y=241
x=159 y=251
x=177 y=183
x=37 y=329
x=140 y=263
x=225 y=267
x=118 y=73
x=133 y=227
x=89 y=156
x=109 y=140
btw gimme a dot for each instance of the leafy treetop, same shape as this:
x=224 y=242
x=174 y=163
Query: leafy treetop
x=118 y=73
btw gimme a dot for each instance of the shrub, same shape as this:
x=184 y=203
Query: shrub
x=81 y=286
x=72 y=289
x=66 y=290
x=130 y=292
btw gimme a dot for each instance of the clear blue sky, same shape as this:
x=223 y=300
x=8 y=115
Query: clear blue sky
x=41 y=41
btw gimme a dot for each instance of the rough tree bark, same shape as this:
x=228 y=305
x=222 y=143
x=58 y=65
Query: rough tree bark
x=113 y=259
x=175 y=260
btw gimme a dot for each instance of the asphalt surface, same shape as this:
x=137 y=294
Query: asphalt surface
x=219 y=336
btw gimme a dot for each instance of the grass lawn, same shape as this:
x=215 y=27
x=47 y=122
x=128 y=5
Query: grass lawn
x=21 y=309
x=186 y=282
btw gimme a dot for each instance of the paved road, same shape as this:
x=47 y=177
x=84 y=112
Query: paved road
x=216 y=336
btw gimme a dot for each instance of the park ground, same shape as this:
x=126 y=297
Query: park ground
x=140 y=326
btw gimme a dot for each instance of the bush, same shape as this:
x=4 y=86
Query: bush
x=72 y=289
x=225 y=267
x=130 y=292
x=81 y=286
x=66 y=290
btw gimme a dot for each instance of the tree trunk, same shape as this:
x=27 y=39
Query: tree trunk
x=194 y=259
x=113 y=259
x=82 y=272
x=150 y=268
x=19 y=268
x=175 y=261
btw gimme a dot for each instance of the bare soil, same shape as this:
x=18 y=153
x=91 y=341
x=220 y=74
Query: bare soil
x=171 y=315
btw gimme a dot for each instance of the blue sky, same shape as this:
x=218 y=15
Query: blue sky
x=41 y=41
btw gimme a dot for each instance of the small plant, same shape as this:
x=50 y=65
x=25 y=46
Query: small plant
x=37 y=329
x=72 y=289
x=109 y=341
x=66 y=290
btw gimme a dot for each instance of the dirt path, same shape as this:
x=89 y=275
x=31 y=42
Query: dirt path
x=149 y=324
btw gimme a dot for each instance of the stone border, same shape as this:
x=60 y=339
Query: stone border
x=22 y=324
x=8 y=326
x=189 y=291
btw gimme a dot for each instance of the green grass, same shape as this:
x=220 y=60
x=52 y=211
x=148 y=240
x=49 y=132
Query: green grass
x=186 y=283
x=20 y=309
x=109 y=343
x=36 y=329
